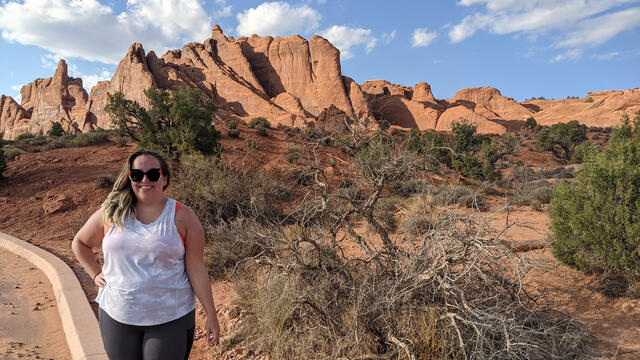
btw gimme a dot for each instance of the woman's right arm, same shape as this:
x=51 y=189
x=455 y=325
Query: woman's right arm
x=90 y=236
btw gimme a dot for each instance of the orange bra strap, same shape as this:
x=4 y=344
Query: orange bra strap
x=181 y=237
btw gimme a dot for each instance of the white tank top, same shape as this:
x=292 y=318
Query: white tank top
x=144 y=267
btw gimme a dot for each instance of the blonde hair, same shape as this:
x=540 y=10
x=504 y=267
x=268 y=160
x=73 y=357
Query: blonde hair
x=121 y=202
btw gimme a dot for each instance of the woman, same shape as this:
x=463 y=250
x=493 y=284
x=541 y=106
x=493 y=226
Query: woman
x=153 y=266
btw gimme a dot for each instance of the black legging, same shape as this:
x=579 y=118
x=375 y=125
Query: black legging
x=168 y=341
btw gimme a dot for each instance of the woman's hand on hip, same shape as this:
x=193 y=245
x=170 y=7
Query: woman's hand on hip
x=99 y=280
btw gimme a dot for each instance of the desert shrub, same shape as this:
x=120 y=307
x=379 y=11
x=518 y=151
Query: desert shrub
x=104 y=181
x=583 y=152
x=531 y=123
x=429 y=144
x=384 y=212
x=475 y=156
x=407 y=188
x=596 y=129
x=558 y=173
x=259 y=121
x=25 y=136
x=595 y=224
x=312 y=133
x=511 y=143
x=420 y=215
x=384 y=125
x=534 y=194
x=626 y=130
x=562 y=138
x=233 y=133
x=176 y=123
x=86 y=139
x=3 y=161
x=518 y=177
x=219 y=193
x=293 y=153
x=448 y=194
x=10 y=152
x=252 y=144
x=56 y=129
x=589 y=99
x=232 y=243
x=261 y=130
x=232 y=123
x=300 y=177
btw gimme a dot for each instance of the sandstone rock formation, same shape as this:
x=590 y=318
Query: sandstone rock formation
x=291 y=81
x=604 y=108
x=418 y=108
x=57 y=99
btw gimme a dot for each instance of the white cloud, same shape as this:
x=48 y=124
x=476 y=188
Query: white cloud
x=421 y=37
x=277 y=18
x=575 y=24
x=599 y=30
x=607 y=56
x=345 y=38
x=388 y=37
x=92 y=31
x=18 y=96
x=569 y=55
x=530 y=17
x=224 y=11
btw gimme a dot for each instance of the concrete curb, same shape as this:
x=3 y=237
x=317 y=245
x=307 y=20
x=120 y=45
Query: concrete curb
x=78 y=321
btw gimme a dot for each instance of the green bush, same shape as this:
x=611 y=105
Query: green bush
x=233 y=133
x=87 y=139
x=25 y=136
x=429 y=144
x=293 y=154
x=259 y=121
x=176 y=123
x=588 y=99
x=10 y=152
x=261 y=130
x=595 y=223
x=562 y=138
x=531 y=123
x=56 y=129
x=583 y=152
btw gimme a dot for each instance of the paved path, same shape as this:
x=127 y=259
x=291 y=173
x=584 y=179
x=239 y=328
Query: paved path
x=30 y=325
x=80 y=327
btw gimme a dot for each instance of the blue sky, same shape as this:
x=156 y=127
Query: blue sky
x=550 y=48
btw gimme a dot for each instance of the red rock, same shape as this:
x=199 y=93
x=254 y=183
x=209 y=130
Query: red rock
x=460 y=112
x=333 y=120
x=55 y=203
x=14 y=119
x=132 y=78
x=491 y=104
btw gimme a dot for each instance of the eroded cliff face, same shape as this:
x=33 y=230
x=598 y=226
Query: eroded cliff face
x=290 y=81
x=44 y=101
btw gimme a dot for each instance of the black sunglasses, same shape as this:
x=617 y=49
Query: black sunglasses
x=136 y=175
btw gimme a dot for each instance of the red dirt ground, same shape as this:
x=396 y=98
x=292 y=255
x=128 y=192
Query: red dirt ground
x=74 y=171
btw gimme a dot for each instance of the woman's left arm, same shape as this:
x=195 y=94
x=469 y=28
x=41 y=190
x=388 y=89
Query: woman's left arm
x=196 y=269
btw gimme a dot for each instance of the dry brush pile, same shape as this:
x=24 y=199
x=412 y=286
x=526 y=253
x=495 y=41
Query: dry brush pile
x=330 y=280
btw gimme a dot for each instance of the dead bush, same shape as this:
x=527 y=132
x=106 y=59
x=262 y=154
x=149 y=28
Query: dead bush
x=447 y=194
x=104 y=181
x=454 y=295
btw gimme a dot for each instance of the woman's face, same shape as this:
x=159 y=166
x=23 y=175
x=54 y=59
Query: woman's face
x=145 y=189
